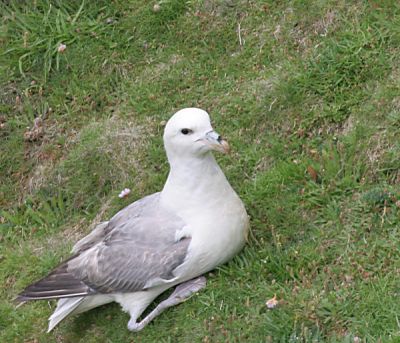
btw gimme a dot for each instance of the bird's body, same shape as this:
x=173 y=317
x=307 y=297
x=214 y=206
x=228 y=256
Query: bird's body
x=194 y=224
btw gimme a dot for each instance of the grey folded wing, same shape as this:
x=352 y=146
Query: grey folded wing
x=96 y=236
x=136 y=246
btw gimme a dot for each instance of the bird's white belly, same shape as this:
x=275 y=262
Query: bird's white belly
x=216 y=238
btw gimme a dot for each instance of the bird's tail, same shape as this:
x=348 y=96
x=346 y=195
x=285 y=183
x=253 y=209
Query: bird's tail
x=76 y=305
x=64 y=308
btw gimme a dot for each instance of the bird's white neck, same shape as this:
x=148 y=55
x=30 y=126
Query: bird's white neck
x=194 y=181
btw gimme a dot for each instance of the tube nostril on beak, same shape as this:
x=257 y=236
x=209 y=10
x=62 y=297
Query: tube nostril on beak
x=216 y=142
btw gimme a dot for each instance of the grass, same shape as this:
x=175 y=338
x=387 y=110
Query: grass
x=307 y=93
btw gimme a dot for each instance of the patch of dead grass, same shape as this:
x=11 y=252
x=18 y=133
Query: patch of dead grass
x=121 y=140
x=155 y=70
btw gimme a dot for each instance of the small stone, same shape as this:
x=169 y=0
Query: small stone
x=156 y=8
x=272 y=303
x=61 y=48
x=348 y=278
x=124 y=193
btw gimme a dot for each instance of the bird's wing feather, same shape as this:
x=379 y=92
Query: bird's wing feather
x=92 y=238
x=137 y=246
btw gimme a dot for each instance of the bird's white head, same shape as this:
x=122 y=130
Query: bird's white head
x=189 y=133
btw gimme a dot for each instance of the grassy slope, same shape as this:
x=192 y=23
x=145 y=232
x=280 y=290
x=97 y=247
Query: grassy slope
x=310 y=103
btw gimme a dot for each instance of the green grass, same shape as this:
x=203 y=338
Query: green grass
x=310 y=104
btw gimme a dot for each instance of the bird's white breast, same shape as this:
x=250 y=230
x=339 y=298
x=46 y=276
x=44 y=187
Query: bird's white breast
x=218 y=231
x=215 y=217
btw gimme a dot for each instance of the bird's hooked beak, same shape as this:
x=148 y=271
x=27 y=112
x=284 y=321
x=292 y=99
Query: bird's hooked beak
x=215 y=142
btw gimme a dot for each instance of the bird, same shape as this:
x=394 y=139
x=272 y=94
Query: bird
x=170 y=238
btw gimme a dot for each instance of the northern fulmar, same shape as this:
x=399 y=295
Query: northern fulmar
x=170 y=238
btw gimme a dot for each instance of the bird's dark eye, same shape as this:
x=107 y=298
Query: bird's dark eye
x=186 y=131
